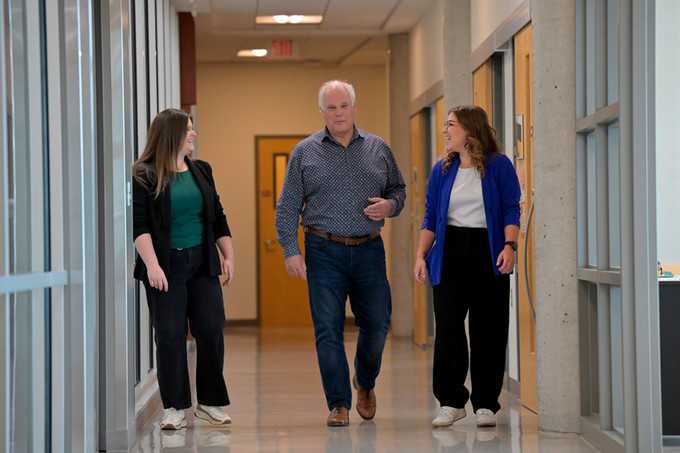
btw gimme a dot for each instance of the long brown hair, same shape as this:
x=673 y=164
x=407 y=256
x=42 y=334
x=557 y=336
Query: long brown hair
x=153 y=168
x=481 y=137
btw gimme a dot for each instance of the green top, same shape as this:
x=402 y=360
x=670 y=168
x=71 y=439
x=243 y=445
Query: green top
x=186 y=207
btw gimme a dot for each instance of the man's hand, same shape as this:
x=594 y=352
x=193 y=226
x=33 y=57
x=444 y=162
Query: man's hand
x=379 y=209
x=296 y=266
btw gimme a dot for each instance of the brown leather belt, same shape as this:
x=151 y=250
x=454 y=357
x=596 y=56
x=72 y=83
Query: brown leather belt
x=340 y=239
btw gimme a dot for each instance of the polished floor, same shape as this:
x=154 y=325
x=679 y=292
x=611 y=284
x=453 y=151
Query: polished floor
x=278 y=406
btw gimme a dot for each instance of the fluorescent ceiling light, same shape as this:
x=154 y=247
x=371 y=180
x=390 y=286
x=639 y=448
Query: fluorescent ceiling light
x=285 y=19
x=249 y=53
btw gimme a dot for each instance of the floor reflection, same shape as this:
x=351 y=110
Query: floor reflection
x=278 y=406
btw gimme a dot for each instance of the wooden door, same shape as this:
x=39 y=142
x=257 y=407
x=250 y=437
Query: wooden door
x=482 y=88
x=418 y=181
x=282 y=299
x=421 y=165
x=524 y=165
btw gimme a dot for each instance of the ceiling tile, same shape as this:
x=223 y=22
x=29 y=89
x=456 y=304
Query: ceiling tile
x=407 y=15
x=273 y=7
x=353 y=31
x=357 y=14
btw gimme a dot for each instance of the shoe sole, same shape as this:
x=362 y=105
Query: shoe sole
x=486 y=424
x=205 y=416
x=460 y=416
x=337 y=424
x=169 y=426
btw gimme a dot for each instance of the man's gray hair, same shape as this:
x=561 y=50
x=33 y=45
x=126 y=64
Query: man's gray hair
x=333 y=83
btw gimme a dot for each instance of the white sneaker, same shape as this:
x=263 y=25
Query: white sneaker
x=173 y=419
x=448 y=415
x=485 y=417
x=213 y=414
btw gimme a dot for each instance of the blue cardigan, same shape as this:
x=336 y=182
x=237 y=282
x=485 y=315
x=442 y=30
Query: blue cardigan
x=501 y=193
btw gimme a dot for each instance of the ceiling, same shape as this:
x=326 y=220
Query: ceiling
x=353 y=32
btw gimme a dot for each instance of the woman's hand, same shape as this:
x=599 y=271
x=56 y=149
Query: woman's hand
x=507 y=258
x=420 y=271
x=228 y=271
x=157 y=278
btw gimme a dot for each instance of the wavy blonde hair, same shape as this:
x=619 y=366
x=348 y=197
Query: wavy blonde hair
x=481 y=137
x=167 y=132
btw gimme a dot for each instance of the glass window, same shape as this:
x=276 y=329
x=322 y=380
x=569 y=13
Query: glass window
x=616 y=342
x=613 y=204
x=28 y=373
x=26 y=180
x=591 y=194
x=612 y=51
x=25 y=229
x=598 y=141
x=590 y=57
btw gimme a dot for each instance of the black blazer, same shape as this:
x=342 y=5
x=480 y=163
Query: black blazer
x=153 y=217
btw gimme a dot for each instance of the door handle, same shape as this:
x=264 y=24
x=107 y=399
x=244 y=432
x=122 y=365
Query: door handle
x=269 y=244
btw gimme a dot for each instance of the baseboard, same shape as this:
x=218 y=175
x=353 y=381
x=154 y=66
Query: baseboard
x=600 y=440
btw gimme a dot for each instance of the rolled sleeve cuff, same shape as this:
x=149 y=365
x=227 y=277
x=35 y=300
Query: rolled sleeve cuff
x=291 y=249
x=393 y=207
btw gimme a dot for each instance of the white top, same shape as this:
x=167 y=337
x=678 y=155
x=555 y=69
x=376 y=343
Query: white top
x=466 y=205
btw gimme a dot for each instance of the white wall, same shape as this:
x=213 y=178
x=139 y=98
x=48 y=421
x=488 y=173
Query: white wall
x=667 y=114
x=425 y=51
x=486 y=16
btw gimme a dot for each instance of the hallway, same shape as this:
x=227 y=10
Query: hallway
x=278 y=406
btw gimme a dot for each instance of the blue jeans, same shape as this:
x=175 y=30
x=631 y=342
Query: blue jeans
x=334 y=272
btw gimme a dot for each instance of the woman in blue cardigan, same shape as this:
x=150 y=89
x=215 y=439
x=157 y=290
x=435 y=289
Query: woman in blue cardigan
x=467 y=244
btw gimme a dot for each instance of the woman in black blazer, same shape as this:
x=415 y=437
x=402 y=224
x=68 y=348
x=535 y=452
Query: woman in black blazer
x=178 y=220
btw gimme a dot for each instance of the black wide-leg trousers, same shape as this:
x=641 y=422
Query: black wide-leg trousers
x=195 y=296
x=469 y=287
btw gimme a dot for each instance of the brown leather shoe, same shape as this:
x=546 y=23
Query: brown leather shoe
x=338 y=417
x=365 y=400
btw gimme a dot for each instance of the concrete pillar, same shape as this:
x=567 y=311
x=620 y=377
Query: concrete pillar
x=557 y=328
x=400 y=243
x=456 y=58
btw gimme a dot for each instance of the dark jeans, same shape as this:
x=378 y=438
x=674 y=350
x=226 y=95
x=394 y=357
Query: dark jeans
x=470 y=287
x=195 y=296
x=334 y=272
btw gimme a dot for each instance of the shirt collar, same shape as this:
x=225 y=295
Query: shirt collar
x=327 y=135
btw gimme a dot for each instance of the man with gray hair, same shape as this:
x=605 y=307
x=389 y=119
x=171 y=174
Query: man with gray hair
x=344 y=182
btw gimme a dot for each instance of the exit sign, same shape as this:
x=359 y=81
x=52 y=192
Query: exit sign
x=283 y=48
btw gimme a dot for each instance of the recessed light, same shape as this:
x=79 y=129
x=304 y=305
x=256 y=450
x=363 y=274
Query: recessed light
x=281 y=19
x=250 y=53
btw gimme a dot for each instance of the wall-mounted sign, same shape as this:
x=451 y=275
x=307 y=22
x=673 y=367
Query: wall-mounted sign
x=283 y=48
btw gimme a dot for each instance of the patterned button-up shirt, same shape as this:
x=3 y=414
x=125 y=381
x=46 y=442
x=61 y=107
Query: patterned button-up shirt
x=329 y=185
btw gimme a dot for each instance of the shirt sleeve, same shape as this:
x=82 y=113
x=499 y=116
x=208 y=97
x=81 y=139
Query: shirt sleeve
x=395 y=191
x=140 y=201
x=220 y=225
x=289 y=206
x=432 y=199
x=510 y=193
